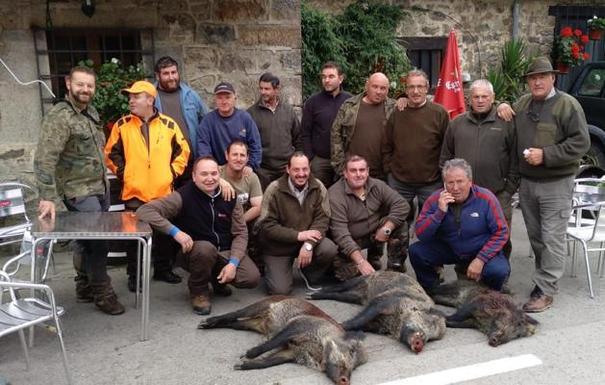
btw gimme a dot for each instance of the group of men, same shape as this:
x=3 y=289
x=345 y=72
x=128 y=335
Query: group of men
x=290 y=200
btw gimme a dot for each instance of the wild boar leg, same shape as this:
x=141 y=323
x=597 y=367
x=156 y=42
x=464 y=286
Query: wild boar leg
x=276 y=358
x=291 y=331
x=462 y=318
x=371 y=311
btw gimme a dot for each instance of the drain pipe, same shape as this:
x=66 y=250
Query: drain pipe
x=515 y=19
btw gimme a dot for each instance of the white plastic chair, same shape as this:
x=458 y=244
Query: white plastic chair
x=587 y=224
x=21 y=312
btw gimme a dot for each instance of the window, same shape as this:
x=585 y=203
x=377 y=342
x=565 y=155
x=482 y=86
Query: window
x=68 y=46
x=593 y=83
x=577 y=17
x=425 y=53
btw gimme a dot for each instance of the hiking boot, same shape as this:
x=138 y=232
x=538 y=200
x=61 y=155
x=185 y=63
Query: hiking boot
x=538 y=303
x=109 y=304
x=221 y=290
x=201 y=304
x=536 y=292
x=167 y=276
x=83 y=289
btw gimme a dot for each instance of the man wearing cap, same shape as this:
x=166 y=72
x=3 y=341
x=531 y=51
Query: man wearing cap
x=146 y=150
x=224 y=125
x=552 y=137
x=179 y=101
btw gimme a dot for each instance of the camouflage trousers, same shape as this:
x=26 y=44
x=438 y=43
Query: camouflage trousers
x=397 y=250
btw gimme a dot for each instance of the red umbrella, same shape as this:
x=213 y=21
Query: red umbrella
x=449 y=92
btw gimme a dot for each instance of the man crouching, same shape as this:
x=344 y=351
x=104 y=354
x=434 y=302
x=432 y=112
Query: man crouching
x=461 y=224
x=212 y=234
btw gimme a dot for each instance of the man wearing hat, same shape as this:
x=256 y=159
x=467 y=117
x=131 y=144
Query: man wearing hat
x=224 y=125
x=552 y=136
x=146 y=150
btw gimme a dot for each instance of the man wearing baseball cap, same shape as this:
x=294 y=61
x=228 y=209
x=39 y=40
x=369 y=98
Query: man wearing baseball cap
x=146 y=150
x=552 y=137
x=224 y=125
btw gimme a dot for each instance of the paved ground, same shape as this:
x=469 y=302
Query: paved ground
x=568 y=346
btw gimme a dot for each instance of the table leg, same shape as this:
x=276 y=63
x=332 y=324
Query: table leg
x=146 y=279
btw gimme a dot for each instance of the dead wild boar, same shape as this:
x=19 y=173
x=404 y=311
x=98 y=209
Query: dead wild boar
x=299 y=332
x=362 y=289
x=495 y=314
x=400 y=317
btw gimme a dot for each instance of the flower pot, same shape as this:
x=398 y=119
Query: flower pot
x=595 y=34
x=562 y=68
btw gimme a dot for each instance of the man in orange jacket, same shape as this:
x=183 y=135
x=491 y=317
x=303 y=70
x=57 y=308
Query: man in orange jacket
x=146 y=150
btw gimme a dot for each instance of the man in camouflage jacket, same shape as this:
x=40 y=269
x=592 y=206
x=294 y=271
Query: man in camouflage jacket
x=69 y=167
x=346 y=123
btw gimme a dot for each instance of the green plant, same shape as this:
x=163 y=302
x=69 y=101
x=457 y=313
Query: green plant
x=508 y=78
x=569 y=47
x=112 y=77
x=368 y=30
x=362 y=40
x=596 y=23
x=320 y=44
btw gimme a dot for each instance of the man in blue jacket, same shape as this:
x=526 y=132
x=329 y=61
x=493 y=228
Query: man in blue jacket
x=461 y=224
x=181 y=103
x=224 y=125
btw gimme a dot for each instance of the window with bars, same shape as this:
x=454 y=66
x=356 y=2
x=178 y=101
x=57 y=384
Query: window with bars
x=66 y=47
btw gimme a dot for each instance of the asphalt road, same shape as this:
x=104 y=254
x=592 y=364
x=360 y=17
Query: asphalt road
x=567 y=349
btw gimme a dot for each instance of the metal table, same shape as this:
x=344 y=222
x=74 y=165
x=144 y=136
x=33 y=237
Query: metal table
x=72 y=225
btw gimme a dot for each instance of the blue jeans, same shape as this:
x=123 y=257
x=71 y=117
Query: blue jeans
x=425 y=256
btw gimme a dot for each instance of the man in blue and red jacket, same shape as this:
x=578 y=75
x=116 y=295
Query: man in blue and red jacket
x=461 y=224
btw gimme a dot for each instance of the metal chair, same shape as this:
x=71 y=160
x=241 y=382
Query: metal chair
x=12 y=210
x=21 y=312
x=587 y=224
x=17 y=224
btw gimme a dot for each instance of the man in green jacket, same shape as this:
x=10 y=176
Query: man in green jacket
x=487 y=143
x=293 y=224
x=359 y=125
x=552 y=137
x=69 y=168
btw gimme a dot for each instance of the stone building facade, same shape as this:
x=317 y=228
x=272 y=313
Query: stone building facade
x=482 y=26
x=214 y=40
x=236 y=40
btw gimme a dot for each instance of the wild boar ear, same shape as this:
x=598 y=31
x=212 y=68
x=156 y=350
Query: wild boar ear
x=531 y=320
x=355 y=335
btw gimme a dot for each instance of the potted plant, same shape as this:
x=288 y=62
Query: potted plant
x=596 y=26
x=568 y=50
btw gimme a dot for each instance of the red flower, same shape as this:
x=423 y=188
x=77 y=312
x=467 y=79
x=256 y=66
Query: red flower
x=575 y=48
x=586 y=55
x=584 y=39
x=578 y=32
x=575 y=55
x=566 y=32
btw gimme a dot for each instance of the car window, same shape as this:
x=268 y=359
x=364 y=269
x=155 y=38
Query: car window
x=593 y=83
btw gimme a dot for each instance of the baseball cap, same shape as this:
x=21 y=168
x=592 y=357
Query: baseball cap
x=141 y=86
x=223 y=87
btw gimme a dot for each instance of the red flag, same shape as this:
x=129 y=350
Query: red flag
x=449 y=92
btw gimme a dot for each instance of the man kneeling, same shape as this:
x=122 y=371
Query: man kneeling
x=212 y=234
x=461 y=224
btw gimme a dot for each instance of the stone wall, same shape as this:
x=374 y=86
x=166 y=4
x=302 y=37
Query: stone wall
x=214 y=40
x=482 y=26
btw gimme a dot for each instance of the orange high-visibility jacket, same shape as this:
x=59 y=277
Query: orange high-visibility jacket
x=146 y=170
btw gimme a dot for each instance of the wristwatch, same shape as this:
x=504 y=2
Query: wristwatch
x=387 y=231
x=308 y=246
